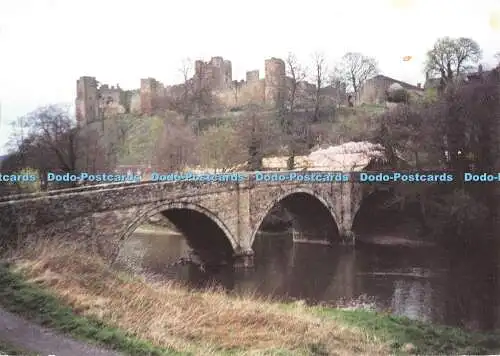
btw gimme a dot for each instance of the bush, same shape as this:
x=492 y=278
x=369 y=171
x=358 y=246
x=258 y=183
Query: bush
x=457 y=217
x=398 y=96
x=28 y=187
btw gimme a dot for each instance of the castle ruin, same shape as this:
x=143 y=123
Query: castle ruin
x=95 y=101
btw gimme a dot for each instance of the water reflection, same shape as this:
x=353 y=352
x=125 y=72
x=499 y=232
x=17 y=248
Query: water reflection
x=428 y=284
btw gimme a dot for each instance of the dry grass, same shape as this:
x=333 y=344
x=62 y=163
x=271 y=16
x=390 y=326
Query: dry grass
x=168 y=315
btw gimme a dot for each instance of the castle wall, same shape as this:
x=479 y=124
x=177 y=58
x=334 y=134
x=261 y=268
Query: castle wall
x=275 y=82
x=87 y=101
x=374 y=90
x=216 y=75
x=245 y=93
x=150 y=88
x=253 y=76
x=111 y=100
x=135 y=103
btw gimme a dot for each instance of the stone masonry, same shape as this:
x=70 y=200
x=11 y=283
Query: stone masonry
x=104 y=215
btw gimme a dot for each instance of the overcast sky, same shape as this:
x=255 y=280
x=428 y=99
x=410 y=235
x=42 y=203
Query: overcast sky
x=47 y=44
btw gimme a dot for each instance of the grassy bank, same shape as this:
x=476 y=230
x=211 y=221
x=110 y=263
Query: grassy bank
x=12 y=350
x=77 y=293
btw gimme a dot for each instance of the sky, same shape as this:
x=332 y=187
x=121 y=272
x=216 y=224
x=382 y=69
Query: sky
x=46 y=45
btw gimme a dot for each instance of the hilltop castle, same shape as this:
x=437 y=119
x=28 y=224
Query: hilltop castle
x=95 y=101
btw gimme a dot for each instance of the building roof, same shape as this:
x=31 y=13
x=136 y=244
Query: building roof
x=405 y=85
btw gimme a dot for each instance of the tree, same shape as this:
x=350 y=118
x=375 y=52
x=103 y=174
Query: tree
x=297 y=74
x=236 y=87
x=258 y=135
x=176 y=147
x=218 y=148
x=355 y=69
x=190 y=97
x=54 y=129
x=450 y=57
x=320 y=76
x=339 y=86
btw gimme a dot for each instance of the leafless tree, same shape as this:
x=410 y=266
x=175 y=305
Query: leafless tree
x=176 y=147
x=56 y=130
x=320 y=78
x=236 y=87
x=297 y=74
x=190 y=97
x=291 y=125
x=339 y=88
x=451 y=57
x=354 y=69
x=258 y=135
x=46 y=139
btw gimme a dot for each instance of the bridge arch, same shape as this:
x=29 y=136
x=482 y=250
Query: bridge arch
x=366 y=209
x=319 y=198
x=169 y=206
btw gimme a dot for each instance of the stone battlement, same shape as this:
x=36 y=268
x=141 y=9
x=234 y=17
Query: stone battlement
x=95 y=101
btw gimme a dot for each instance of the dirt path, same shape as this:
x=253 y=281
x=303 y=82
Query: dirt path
x=31 y=337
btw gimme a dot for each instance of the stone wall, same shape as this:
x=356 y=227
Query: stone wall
x=374 y=90
x=93 y=102
x=104 y=215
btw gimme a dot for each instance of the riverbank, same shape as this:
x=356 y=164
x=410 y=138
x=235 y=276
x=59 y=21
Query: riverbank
x=77 y=293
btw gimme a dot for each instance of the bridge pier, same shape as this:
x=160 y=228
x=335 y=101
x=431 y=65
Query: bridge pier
x=348 y=237
x=244 y=259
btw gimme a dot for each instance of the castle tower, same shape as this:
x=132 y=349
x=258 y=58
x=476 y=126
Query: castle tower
x=148 y=93
x=275 y=82
x=199 y=74
x=87 y=101
x=253 y=76
x=217 y=73
x=228 y=74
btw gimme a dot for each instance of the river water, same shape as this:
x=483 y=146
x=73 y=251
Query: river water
x=424 y=283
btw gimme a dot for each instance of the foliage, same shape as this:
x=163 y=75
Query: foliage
x=457 y=131
x=141 y=140
x=39 y=305
x=219 y=147
x=176 y=146
x=455 y=216
x=398 y=96
x=355 y=68
x=451 y=57
x=427 y=339
x=31 y=186
x=46 y=139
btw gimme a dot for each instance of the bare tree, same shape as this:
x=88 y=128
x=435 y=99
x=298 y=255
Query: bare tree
x=258 y=135
x=451 y=57
x=47 y=139
x=236 y=87
x=354 y=69
x=319 y=77
x=291 y=126
x=55 y=129
x=190 y=97
x=339 y=88
x=297 y=74
x=176 y=147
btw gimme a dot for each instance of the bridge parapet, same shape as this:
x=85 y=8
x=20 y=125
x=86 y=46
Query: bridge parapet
x=104 y=214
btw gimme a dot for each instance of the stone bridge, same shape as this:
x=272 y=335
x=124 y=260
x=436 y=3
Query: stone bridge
x=220 y=215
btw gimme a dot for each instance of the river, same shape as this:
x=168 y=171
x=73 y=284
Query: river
x=425 y=283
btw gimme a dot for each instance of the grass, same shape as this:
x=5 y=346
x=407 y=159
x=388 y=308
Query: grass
x=45 y=309
x=11 y=350
x=87 y=297
x=423 y=337
x=77 y=293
